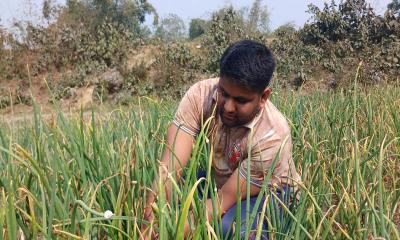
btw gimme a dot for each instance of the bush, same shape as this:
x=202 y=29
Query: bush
x=93 y=13
x=197 y=27
x=336 y=39
x=171 y=28
x=83 y=37
x=5 y=100
x=176 y=66
x=108 y=47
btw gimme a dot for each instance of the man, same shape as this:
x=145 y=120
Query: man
x=247 y=131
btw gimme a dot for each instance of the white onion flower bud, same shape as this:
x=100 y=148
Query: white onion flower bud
x=108 y=214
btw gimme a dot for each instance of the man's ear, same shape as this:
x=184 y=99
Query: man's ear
x=265 y=96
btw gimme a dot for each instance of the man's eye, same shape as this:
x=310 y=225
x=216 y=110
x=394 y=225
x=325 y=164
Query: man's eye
x=223 y=93
x=241 y=101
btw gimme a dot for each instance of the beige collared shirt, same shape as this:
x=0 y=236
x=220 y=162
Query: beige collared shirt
x=254 y=148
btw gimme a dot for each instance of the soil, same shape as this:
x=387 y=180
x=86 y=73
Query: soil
x=38 y=89
x=41 y=96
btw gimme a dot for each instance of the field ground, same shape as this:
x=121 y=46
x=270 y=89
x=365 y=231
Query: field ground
x=60 y=174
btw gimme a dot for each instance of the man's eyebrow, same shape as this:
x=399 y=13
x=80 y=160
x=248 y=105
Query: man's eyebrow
x=221 y=88
x=242 y=99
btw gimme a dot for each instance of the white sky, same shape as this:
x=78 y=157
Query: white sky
x=281 y=11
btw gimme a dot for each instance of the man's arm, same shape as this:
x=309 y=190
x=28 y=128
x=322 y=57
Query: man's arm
x=227 y=195
x=263 y=154
x=177 y=152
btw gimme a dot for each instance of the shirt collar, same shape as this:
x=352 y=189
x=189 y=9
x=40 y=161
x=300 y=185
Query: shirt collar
x=215 y=95
x=255 y=120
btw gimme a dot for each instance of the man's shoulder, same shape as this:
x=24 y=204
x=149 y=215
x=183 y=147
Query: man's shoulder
x=195 y=105
x=199 y=97
x=202 y=91
x=272 y=124
x=206 y=84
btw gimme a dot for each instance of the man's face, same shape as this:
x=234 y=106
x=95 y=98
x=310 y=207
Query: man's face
x=238 y=105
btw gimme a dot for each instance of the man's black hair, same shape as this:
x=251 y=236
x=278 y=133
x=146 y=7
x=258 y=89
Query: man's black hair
x=249 y=64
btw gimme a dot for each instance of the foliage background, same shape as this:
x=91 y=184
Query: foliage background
x=59 y=174
x=87 y=38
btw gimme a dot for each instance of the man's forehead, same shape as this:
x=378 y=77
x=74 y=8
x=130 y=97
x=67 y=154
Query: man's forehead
x=234 y=89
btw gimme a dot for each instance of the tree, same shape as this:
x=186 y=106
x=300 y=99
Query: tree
x=50 y=10
x=351 y=20
x=197 y=27
x=287 y=28
x=255 y=20
x=394 y=6
x=129 y=13
x=226 y=27
x=171 y=28
x=2 y=34
x=258 y=19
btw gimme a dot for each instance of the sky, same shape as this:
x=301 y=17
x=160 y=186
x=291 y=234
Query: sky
x=281 y=11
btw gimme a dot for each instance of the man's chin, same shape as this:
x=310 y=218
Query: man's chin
x=229 y=123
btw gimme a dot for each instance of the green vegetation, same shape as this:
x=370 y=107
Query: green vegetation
x=335 y=39
x=86 y=38
x=59 y=176
x=171 y=28
x=197 y=27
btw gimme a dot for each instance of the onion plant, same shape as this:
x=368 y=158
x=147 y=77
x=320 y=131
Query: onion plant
x=86 y=176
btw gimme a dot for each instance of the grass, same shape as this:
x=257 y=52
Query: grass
x=59 y=176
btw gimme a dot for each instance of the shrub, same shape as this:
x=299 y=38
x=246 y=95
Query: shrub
x=226 y=28
x=336 y=38
x=5 y=100
x=171 y=28
x=108 y=47
x=197 y=27
x=175 y=66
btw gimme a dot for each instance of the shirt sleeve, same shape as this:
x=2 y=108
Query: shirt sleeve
x=188 y=114
x=263 y=156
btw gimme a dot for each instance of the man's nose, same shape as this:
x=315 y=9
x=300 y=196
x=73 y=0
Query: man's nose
x=229 y=106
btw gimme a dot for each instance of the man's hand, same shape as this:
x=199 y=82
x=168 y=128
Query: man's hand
x=148 y=216
x=227 y=195
x=175 y=157
x=226 y=198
